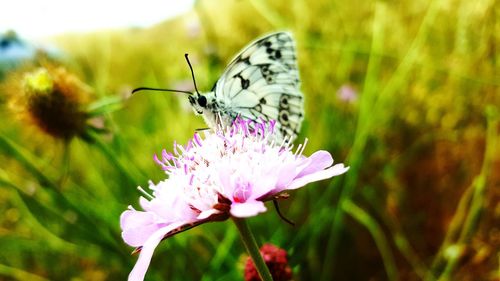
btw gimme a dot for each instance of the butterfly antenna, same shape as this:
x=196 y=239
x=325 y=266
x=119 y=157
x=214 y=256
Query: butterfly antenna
x=160 y=90
x=192 y=73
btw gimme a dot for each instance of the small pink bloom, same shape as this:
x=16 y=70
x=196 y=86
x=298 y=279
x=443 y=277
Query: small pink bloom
x=276 y=260
x=347 y=93
x=229 y=172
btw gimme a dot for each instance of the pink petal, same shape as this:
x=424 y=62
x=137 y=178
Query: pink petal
x=207 y=213
x=319 y=175
x=285 y=176
x=142 y=264
x=137 y=226
x=225 y=181
x=317 y=161
x=264 y=183
x=145 y=204
x=247 y=209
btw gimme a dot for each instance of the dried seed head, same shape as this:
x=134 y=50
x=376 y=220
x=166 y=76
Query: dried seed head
x=51 y=98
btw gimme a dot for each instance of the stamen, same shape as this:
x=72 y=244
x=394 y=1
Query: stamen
x=167 y=156
x=303 y=146
x=197 y=139
x=272 y=123
x=147 y=195
x=244 y=128
x=261 y=127
x=232 y=130
x=285 y=139
x=189 y=145
x=255 y=131
x=273 y=142
x=297 y=151
x=263 y=148
x=175 y=148
x=206 y=134
x=252 y=127
x=155 y=158
x=219 y=124
x=181 y=148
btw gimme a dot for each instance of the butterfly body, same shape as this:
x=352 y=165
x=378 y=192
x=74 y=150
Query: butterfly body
x=261 y=83
x=214 y=111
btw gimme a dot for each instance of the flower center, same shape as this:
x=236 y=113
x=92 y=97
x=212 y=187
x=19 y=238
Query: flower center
x=242 y=191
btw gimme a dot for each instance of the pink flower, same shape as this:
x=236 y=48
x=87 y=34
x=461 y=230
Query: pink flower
x=347 y=93
x=229 y=172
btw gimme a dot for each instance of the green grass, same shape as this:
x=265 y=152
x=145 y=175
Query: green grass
x=420 y=201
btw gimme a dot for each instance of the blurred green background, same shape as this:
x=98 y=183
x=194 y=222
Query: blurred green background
x=405 y=93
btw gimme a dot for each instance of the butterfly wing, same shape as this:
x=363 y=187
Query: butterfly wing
x=263 y=82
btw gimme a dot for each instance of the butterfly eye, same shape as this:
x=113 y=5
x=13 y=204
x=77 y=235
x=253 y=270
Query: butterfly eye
x=202 y=101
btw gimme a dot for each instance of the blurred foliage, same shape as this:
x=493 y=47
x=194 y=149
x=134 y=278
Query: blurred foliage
x=418 y=125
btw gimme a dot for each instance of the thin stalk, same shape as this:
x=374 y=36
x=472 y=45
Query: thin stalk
x=373 y=102
x=478 y=193
x=377 y=234
x=452 y=233
x=114 y=159
x=400 y=239
x=253 y=249
x=19 y=274
x=31 y=164
x=52 y=240
x=26 y=160
x=406 y=249
x=221 y=254
x=355 y=157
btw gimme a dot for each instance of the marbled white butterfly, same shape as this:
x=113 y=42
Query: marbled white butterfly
x=262 y=82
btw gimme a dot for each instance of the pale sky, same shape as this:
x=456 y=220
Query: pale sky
x=34 y=19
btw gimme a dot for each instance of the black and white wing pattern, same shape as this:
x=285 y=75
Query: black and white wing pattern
x=263 y=82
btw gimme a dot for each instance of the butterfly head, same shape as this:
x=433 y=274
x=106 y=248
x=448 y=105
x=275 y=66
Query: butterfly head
x=202 y=102
x=198 y=102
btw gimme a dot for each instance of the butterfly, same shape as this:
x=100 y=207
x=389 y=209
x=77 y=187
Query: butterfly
x=261 y=83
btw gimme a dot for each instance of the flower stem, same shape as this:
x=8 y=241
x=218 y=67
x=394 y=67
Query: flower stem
x=253 y=249
x=472 y=204
x=113 y=157
x=377 y=234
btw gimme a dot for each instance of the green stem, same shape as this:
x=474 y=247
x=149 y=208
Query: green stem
x=364 y=123
x=374 y=100
x=26 y=160
x=222 y=254
x=253 y=249
x=31 y=164
x=19 y=274
x=452 y=233
x=114 y=159
x=476 y=194
x=377 y=234
x=399 y=237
